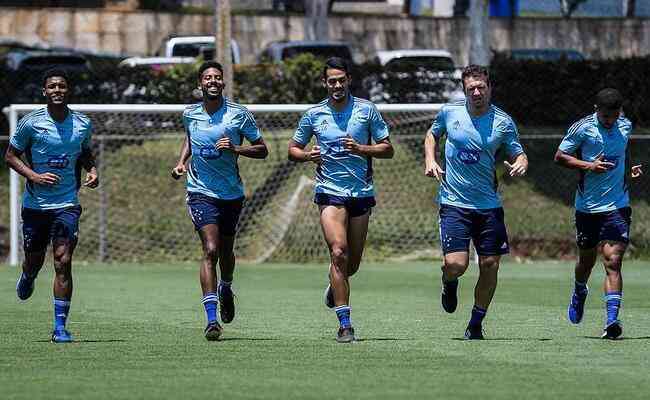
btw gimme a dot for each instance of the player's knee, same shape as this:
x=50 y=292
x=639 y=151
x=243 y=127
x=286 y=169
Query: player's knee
x=613 y=262
x=62 y=260
x=453 y=268
x=489 y=263
x=339 y=254
x=211 y=251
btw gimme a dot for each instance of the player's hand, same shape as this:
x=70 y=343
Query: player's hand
x=637 y=171
x=92 y=179
x=178 y=171
x=46 y=178
x=518 y=168
x=225 y=144
x=313 y=155
x=351 y=145
x=434 y=171
x=599 y=166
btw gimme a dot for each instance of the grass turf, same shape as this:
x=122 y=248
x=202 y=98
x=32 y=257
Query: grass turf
x=139 y=335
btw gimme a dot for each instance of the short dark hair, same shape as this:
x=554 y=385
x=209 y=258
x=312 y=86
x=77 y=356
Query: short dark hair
x=609 y=99
x=336 y=63
x=209 y=64
x=475 y=71
x=55 y=72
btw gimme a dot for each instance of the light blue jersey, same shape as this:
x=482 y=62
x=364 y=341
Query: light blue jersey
x=51 y=146
x=214 y=172
x=340 y=172
x=587 y=139
x=470 y=149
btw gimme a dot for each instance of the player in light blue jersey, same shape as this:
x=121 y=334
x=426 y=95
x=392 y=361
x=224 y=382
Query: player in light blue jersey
x=598 y=146
x=345 y=128
x=470 y=207
x=56 y=143
x=215 y=132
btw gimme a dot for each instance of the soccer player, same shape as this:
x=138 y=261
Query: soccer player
x=345 y=128
x=470 y=207
x=215 y=130
x=597 y=146
x=56 y=143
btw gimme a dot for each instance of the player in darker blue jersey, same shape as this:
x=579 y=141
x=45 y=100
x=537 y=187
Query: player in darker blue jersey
x=598 y=146
x=215 y=132
x=49 y=148
x=345 y=128
x=470 y=207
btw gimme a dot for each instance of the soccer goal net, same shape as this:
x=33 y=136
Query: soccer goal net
x=138 y=213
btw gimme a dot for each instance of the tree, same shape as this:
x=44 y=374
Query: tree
x=629 y=8
x=316 y=24
x=567 y=7
x=479 y=36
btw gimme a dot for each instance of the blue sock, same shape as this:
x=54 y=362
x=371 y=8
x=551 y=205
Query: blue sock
x=478 y=314
x=343 y=314
x=580 y=288
x=61 y=310
x=613 y=305
x=224 y=284
x=210 y=302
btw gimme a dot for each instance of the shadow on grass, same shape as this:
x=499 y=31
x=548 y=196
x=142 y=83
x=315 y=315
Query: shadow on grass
x=381 y=339
x=514 y=339
x=619 y=339
x=86 y=341
x=245 y=339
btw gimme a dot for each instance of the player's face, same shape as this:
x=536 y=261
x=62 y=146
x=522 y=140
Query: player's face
x=478 y=92
x=56 y=90
x=212 y=83
x=337 y=82
x=607 y=118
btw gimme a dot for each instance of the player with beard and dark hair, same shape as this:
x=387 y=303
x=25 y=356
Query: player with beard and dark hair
x=215 y=129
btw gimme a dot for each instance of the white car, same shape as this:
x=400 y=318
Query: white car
x=194 y=46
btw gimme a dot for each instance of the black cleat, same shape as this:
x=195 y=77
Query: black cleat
x=345 y=335
x=448 y=296
x=474 y=332
x=328 y=297
x=226 y=304
x=613 y=330
x=213 y=331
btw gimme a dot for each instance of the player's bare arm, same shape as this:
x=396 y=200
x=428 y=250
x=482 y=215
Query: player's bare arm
x=381 y=149
x=572 y=162
x=518 y=165
x=257 y=148
x=431 y=151
x=15 y=162
x=180 y=169
x=298 y=153
x=88 y=162
x=636 y=171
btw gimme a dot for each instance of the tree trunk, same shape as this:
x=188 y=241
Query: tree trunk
x=316 y=23
x=222 y=37
x=479 y=52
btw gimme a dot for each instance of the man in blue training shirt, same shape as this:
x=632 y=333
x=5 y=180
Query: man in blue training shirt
x=215 y=130
x=345 y=128
x=598 y=147
x=56 y=143
x=470 y=207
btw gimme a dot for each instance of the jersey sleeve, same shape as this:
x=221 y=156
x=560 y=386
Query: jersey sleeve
x=305 y=130
x=573 y=140
x=248 y=127
x=439 y=126
x=22 y=138
x=511 y=139
x=377 y=125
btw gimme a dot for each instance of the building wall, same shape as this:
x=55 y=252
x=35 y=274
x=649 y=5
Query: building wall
x=141 y=33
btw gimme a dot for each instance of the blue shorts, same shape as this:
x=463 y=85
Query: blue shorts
x=40 y=227
x=356 y=206
x=205 y=210
x=614 y=225
x=485 y=228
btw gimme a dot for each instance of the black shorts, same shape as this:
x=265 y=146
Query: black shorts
x=593 y=228
x=40 y=227
x=356 y=206
x=486 y=228
x=205 y=210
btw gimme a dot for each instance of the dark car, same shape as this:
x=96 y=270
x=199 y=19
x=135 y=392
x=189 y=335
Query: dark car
x=283 y=50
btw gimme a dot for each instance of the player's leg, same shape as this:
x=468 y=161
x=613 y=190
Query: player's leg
x=358 y=217
x=334 y=222
x=587 y=238
x=455 y=227
x=228 y=218
x=36 y=236
x=64 y=233
x=209 y=235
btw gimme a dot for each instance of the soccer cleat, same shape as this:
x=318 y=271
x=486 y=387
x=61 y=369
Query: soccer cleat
x=328 y=297
x=61 y=335
x=226 y=304
x=613 y=330
x=577 y=306
x=448 y=296
x=213 y=331
x=24 y=287
x=474 y=332
x=345 y=335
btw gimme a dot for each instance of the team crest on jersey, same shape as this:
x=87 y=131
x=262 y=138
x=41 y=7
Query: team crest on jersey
x=322 y=127
x=456 y=125
x=58 y=162
x=468 y=156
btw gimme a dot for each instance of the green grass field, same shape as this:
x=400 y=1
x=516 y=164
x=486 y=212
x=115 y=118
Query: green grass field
x=138 y=332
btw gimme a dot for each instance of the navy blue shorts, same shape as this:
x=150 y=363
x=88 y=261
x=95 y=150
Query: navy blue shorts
x=40 y=227
x=614 y=225
x=205 y=210
x=485 y=228
x=356 y=206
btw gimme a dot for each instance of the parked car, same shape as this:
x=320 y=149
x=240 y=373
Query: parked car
x=413 y=76
x=276 y=52
x=155 y=63
x=194 y=46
